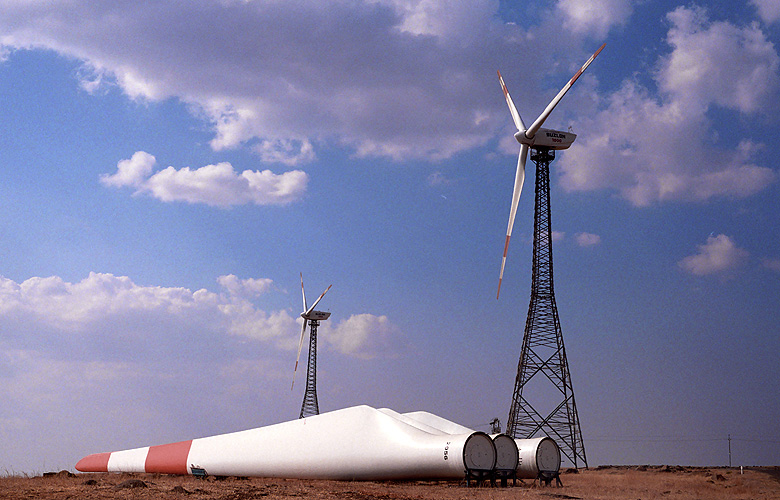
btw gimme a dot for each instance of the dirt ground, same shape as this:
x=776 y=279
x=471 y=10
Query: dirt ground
x=607 y=483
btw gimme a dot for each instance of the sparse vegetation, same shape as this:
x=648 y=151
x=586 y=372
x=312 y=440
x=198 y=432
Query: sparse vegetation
x=602 y=483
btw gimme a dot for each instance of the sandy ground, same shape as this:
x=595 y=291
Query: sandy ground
x=662 y=482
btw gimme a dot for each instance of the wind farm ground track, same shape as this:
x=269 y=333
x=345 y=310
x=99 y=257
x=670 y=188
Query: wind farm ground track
x=605 y=482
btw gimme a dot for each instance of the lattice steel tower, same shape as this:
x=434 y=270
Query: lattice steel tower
x=543 y=356
x=311 y=317
x=310 y=406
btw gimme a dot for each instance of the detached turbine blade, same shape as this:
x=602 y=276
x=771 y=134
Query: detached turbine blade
x=300 y=346
x=539 y=121
x=318 y=300
x=512 y=109
x=519 y=179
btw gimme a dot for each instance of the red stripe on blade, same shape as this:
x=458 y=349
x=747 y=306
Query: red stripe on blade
x=94 y=463
x=168 y=458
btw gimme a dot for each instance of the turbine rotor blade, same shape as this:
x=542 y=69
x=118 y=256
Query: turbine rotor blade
x=318 y=300
x=531 y=132
x=300 y=346
x=512 y=109
x=303 y=293
x=519 y=179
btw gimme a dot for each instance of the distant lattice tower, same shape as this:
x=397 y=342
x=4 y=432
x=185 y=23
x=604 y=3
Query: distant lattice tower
x=543 y=355
x=310 y=405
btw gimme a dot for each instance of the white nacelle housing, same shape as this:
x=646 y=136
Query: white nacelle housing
x=547 y=138
x=318 y=316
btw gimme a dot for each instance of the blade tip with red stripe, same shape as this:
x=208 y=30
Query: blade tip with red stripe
x=97 y=462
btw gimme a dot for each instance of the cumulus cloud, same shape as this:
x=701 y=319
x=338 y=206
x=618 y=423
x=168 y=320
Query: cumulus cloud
x=395 y=78
x=364 y=335
x=718 y=255
x=769 y=10
x=587 y=239
x=594 y=17
x=132 y=172
x=444 y=20
x=251 y=287
x=717 y=63
x=656 y=148
x=104 y=311
x=217 y=185
x=286 y=151
x=102 y=307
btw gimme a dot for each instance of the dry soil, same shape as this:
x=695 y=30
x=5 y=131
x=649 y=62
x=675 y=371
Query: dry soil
x=608 y=483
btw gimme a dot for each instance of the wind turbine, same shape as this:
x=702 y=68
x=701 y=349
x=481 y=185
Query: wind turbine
x=542 y=351
x=310 y=405
x=535 y=137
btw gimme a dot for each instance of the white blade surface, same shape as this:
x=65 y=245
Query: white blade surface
x=303 y=293
x=512 y=109
x=539 y=121
x=519 y=179
x=359 y=443
x=317 y=301
x=300 y=346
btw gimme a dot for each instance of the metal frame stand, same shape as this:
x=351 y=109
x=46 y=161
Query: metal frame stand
x=547 y=478
x=504 y=476
x=543 y=353
x=478 y=475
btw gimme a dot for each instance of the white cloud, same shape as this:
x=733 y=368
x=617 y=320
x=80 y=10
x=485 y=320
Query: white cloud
x=718 y=63
x=718 y=255
x=394 y=78
x=444 y=19
x=363 y=335
x=106 y=303
x=769 y=10
x=103 y=310
x=653 y=149
x=132 y=172
x=595 y=17
x=286 y=151
x=217 y=185
x=587 y=239
x=249 y=287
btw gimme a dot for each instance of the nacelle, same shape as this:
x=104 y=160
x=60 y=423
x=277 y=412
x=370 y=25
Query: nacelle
x=547 y=138
x=318 y=316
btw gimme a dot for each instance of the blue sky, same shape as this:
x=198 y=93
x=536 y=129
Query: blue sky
x=167 y=171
